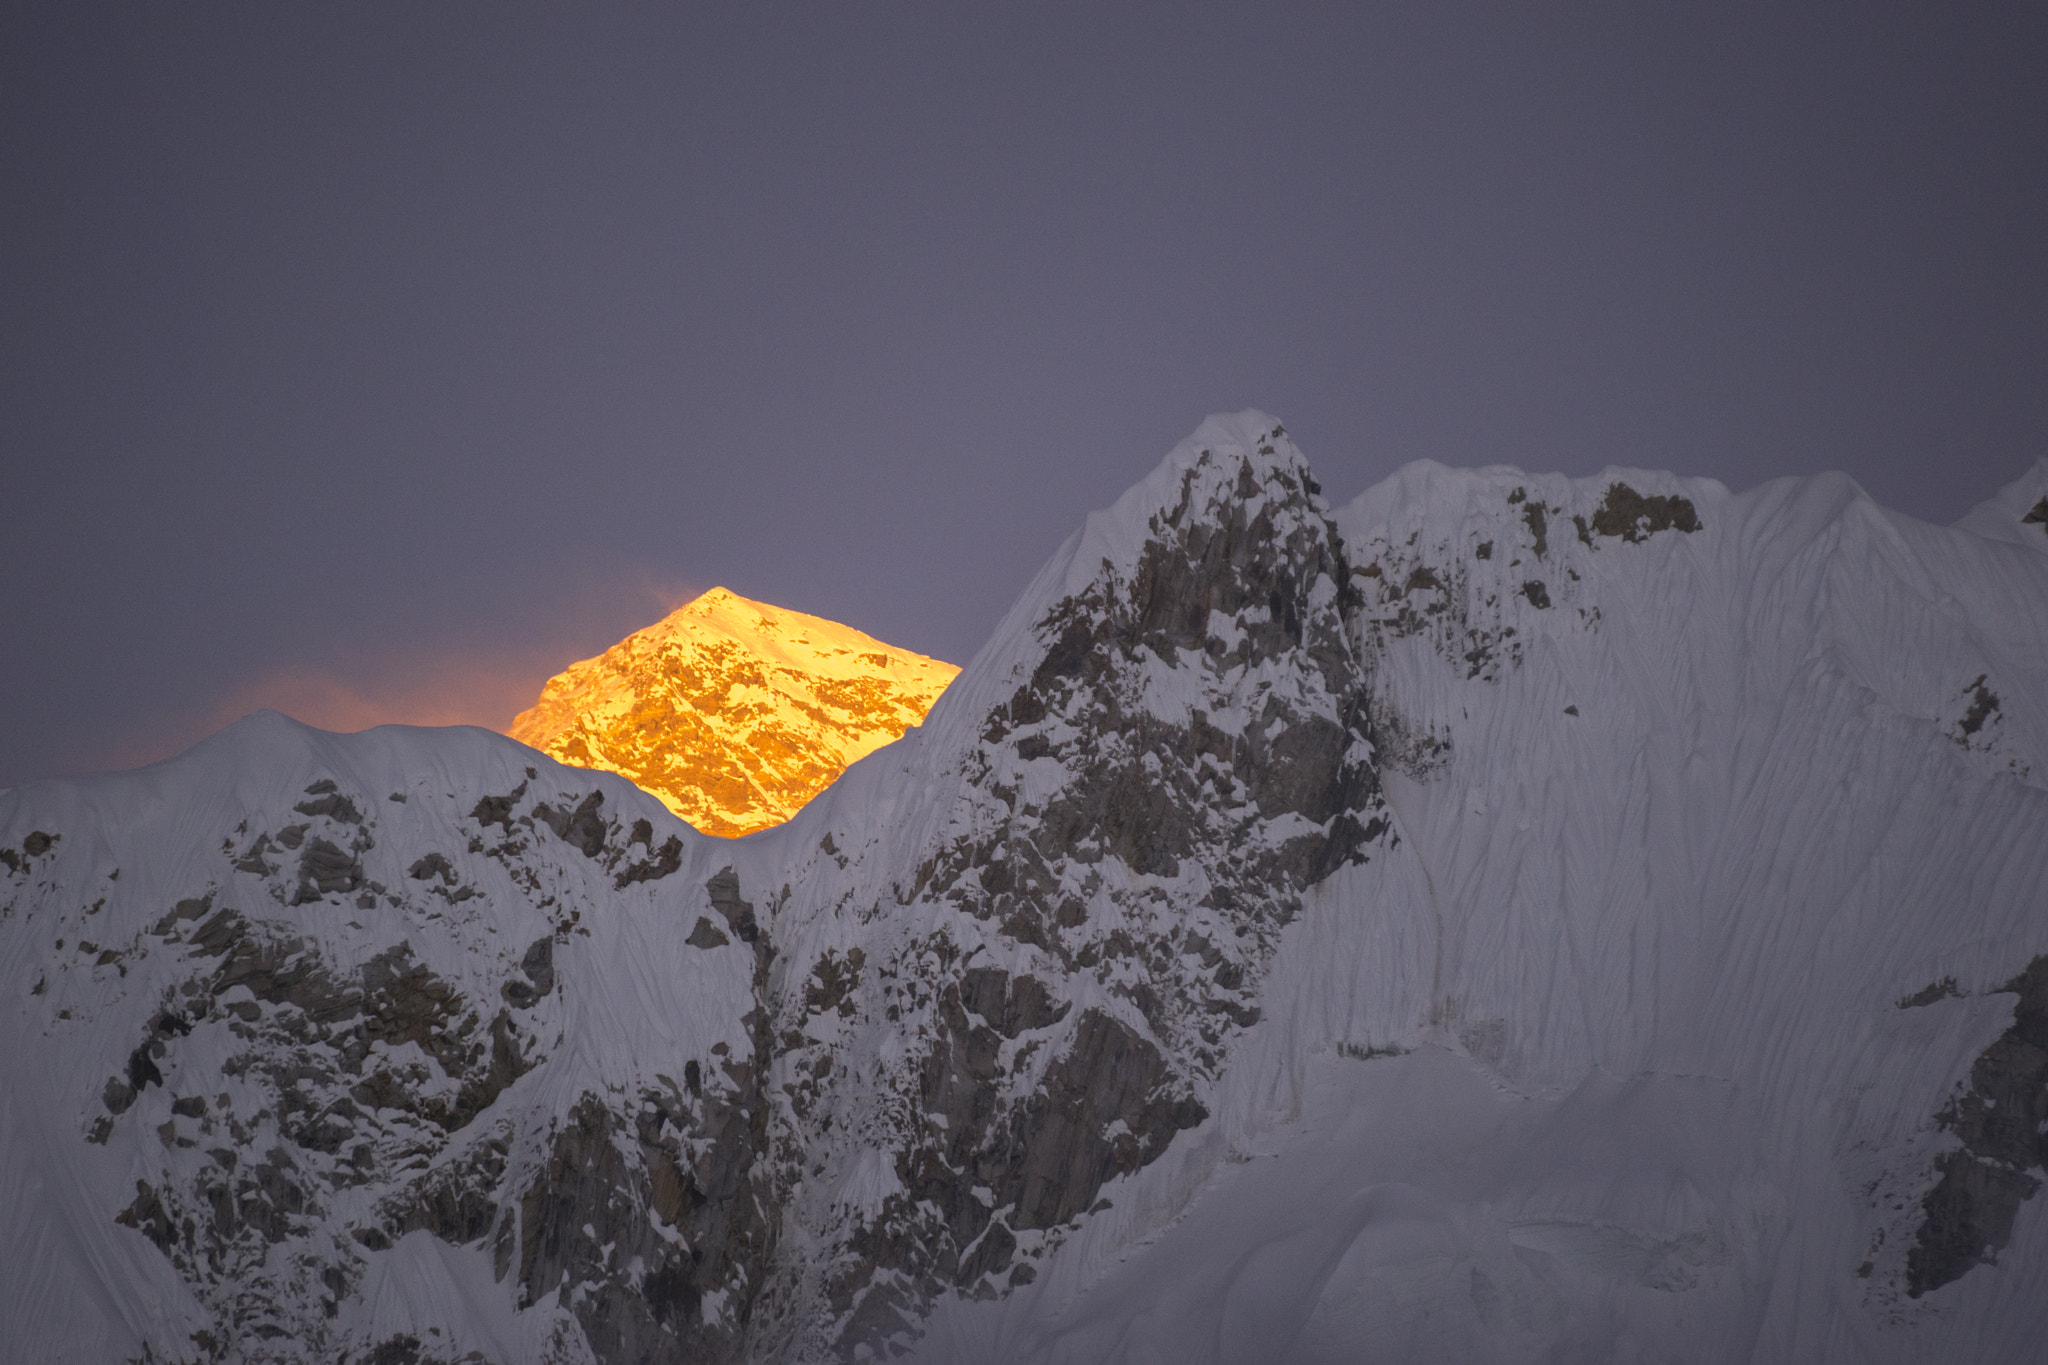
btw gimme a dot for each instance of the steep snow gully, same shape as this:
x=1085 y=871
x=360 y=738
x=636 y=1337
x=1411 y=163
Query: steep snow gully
x=1509 y=918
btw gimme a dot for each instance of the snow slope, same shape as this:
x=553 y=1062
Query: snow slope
x=1731 y=842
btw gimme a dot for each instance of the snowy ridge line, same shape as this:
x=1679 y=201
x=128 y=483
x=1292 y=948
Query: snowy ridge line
x=1291 y=938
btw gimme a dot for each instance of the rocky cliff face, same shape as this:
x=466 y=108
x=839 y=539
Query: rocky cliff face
x=1155 y=762
x=733 y=713
x=1607 y=911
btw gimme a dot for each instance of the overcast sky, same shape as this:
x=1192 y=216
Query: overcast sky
x=374 y=362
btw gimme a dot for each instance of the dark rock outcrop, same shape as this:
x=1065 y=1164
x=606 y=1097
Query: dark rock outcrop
x=2002 y=1120
x=1162 y=849
x=1634 y=516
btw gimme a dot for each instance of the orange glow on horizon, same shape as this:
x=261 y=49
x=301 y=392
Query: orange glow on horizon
x=733 y=713
x=448 y=691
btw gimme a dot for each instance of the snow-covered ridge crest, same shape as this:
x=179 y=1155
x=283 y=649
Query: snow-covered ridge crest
x=1479 y=570
x=2018 y=512
x=1212 y=463
x=1228 y=458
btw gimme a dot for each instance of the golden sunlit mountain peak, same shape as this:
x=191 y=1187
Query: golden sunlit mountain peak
x=734 y=713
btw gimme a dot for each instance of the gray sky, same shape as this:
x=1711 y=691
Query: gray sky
x=376 y=361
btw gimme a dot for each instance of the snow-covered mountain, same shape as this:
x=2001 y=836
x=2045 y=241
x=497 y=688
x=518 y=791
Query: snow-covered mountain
x=733 y=713
x=1507 y=918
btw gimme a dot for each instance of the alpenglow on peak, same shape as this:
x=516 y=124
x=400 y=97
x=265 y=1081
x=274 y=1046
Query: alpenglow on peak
x=733 y=713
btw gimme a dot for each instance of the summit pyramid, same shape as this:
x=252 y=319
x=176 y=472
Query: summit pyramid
x=733 y=713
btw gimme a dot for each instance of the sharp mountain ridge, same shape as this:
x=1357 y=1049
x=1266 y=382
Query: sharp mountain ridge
x=1506 y=918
